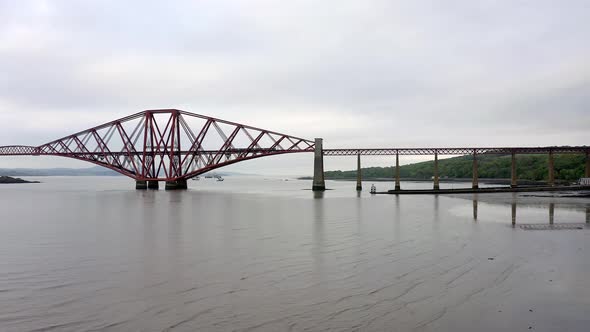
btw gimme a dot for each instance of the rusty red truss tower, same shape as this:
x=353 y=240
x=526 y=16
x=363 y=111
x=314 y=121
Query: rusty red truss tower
x=167 y=145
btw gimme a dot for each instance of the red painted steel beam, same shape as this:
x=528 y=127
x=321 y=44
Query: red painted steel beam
x=154 y=149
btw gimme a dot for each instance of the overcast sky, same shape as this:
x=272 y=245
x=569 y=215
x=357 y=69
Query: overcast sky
x=357 y=73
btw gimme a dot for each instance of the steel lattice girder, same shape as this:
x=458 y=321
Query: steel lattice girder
x=167 y=144
x=457 y=151
x=17 y=150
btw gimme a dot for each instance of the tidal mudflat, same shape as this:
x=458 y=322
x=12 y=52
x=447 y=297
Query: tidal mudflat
x=255 y=254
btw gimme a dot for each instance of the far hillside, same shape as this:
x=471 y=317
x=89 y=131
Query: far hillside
x=528 y=167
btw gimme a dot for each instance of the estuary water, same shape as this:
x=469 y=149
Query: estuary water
x=265 y=254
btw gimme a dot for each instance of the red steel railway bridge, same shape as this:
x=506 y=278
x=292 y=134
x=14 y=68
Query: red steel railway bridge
x=172 y=146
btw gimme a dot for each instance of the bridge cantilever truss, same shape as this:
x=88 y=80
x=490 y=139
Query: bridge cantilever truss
x=167 y=145
x=174 y=145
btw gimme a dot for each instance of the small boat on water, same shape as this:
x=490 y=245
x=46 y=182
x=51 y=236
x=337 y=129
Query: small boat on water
x=219 y=178
x=196 y=178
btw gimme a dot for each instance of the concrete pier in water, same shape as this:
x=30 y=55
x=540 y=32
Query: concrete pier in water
x=551 y=170
x=513 y=180
x=318 y=167
x=176 y=185
x=397 y=176
x=359 y=177
x=436 y=181
x=143 y=185
x=475 y=183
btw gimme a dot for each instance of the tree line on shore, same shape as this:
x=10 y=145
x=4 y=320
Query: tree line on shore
x=568 y=167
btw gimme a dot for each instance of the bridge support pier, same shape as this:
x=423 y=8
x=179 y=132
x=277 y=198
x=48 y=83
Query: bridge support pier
x=475 y=182
x=153 y=185
x=397 y=178
x=436 y=180
x=551 y=169
x=176 y=185
x=513 y=180
x=140 y=185
x=318 y=167
x=359 y=177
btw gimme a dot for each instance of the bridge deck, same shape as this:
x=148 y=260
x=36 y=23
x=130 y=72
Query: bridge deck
x=456 y=151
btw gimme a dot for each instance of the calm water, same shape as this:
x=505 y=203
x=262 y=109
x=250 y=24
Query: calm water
x=256 y=254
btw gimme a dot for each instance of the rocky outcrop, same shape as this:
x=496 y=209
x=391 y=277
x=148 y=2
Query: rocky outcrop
x=8 y=179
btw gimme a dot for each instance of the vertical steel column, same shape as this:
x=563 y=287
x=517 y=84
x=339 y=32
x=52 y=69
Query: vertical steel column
x=178 y=156
x=147 y=161
x=551 y=169
x=359 y=186
x=475 y=182
x=172 y=144
x=475 y=209
x=436 y=182
x=397 y=178
x=172 y=169
x=153 y=143
x=148 y=146
x=551 y=213
x=513 y=181
x=318 y=167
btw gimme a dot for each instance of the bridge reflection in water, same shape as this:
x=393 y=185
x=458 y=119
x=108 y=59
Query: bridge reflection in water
x=550 y=221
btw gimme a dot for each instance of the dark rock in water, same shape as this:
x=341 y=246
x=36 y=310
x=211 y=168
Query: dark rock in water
x=8 y=179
